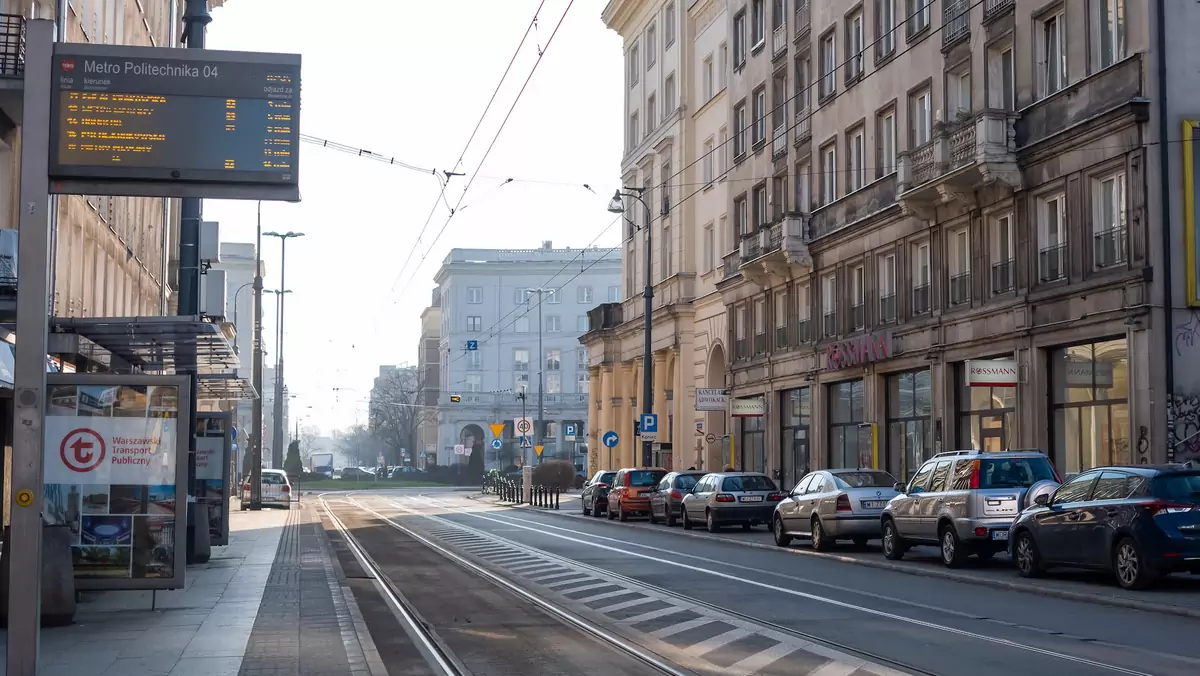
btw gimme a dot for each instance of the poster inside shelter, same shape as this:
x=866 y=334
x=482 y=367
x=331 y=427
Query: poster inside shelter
x=211 y=470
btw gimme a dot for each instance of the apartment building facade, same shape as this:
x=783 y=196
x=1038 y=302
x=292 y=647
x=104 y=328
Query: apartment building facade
x=509 y=316
x=945 y=232
x=429 y=365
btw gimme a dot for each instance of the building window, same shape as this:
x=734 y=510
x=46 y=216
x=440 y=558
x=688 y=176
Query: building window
x=828 y=65
x=797 y=419
x=553 y=360
x=759 y=23
x=1090 y=404
x=781 y=319
x=474 y=382
x=803 y=96
x=651 y=113
x=709 y=257
x=581 y=358
x=669 y=93
x=829 y=171
x=583 y=294
x=709 y=171
x=854 y=46
x=739 y=39
x=551 y=296
x=986 y=415
x=669 y=25
x=651 y=47
x=553 y=324
x=885 y=28
x=803 y=314
x=753 y=451
x=778 y=197
x=739 y=130
x=920 y=111
x=856 y=159
x=635 y=69
x=521 y=382
x=583 y=382
x=804 y=187
x=1051 y=54
x=849 y=439
x=829 y=305
x=523 y=295
x=918 y=14
x=959 y=267
x=920 y=279
x=741 y=343
x=885 y=142
x=760 y=326
x=723 y=160
x=1003 y=254
x=887 y=289
x=521 y=325
x=1001 y=85
x=634 y=129
x=520 y=359
x=722 y=66
x=909 y=418
x=760 y=116
x=1108 y=220
x=1052 y=238
x=1111 y=28
x=474 y=360
x=474 y=323
x=553 y=384
x=858 y=297
x=614 y=294
x=474 y=295
x=709 y=78
x=759 y=196
x=741 y=222
x=581 y=323
x=958 y=94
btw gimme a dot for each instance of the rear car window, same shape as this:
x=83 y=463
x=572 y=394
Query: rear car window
x=644 y=477
x=863 y=480
x=686 y=481
x=273 y=479
x=607 y=477
x=1178 y=488
x=1015 y=472
x=751 y=482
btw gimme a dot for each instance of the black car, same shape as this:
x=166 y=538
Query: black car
x=595 y=493
x=1139 y=522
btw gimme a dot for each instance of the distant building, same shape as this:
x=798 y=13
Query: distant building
x=237 y=260
x=430 y=367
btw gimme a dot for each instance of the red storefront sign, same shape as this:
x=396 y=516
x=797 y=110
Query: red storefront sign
x=858 y=351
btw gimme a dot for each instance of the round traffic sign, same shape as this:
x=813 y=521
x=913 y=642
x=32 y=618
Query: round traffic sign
x=497 y=444
x=711 y=438
x=523 y=426
x=609 y=439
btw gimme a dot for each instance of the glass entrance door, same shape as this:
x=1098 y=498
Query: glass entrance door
x=993 y=438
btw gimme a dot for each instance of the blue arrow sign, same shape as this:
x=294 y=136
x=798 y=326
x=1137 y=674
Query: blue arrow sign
x=497 y=444
x=234 y=432
x=472 y=345
x=610 y=439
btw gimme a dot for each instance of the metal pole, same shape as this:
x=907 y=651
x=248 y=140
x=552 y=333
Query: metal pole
x=60 y=35
x=24 y=548
x=278 y=451
x=257 y=374
x=540 y=430
x=647 y=357
x=165 y=263
x=523 y=437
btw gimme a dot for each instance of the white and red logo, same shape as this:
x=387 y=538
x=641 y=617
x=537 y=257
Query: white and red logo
x=82 y=450
x=68 y=65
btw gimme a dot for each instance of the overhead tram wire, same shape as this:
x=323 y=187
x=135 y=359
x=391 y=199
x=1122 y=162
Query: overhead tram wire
x=496 y=137
x=442 y=197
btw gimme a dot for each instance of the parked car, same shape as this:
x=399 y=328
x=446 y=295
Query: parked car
x=963 y=501
x=276 y=489
x=1139 y=523
x=831 y=505
x=629 y=493
x=595 y=492
x=723 y=498
x=668 y=495
x=405 y=472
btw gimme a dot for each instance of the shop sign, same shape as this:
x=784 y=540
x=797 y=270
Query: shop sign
x=992 y=373
x=711 y=399
x=112 y=466
x=859 y=351
x=748 y=407
x=1089 y=374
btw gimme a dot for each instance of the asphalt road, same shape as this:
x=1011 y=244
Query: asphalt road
x=924 y=624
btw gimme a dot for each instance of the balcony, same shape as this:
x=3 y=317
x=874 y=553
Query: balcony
x=803 y=125
x=803 y=331
x=856 y=206
x=994 y=8
x=887 y=308
x=830 y=324
x=1052 y=263
x=956 y=24
x=920 y=299
x=730 y=263
x=1109 y=248
x=859 y=314
x=776 y=253
x=779 y=140
x=963 y=156
x=960 y=289
x=1003 y=276
x=779 y=41
x=803 y=20
x=12 y=45
x=605 y=316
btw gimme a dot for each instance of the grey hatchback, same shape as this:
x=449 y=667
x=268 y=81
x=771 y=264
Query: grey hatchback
x=668 y=495
x=747 y=498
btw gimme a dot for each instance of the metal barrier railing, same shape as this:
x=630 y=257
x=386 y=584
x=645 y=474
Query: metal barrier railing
x=509 y=490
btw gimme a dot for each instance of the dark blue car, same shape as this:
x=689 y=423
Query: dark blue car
x=1140 y=523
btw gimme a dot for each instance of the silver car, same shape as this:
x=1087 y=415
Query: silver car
x=746 y=498
x=668 y=495
x=835 y=504
x=965 y=502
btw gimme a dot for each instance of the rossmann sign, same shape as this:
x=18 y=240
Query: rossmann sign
x=992 y=373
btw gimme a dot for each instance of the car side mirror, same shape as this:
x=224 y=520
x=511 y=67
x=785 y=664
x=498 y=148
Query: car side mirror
x=899 y=487
x=1042 y=499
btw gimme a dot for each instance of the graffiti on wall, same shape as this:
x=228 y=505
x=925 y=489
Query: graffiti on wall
x=1183 y=421
x=1187 y=333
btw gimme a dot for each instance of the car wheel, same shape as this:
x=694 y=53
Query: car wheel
x=860 y=540
x=653 y=516
x=781 y=537
x=621 y=515
x=1133 y=572
x=893 y=544
x=586 y=511
x=608 y=513
x=953 y=552
x=683 y=515
x=820 y=542
x=1026 y=556
x=669 y=516
x=711 y=522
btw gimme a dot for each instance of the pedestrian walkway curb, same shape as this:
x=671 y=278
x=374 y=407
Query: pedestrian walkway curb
x=1013 y=585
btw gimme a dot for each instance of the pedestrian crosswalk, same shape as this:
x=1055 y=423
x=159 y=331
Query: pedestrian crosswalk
x=696 y=636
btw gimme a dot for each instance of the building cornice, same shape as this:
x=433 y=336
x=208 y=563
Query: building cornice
x=618 y=14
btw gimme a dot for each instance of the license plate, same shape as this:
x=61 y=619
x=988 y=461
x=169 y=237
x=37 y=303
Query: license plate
x=999 y=535
x=874 y=504
x=644 y=493
x=752 y=498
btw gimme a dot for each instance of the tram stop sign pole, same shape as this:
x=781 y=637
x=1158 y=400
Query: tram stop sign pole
x=29 y=381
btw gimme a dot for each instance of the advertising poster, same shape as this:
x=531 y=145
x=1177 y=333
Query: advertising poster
x=214 y=440
x=112 y=465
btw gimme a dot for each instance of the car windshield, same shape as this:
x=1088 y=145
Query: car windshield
x=749 y=482
x=1015 y=472
x=686 y=481
x=644 y=477
x=864 y=480
x=607 y=477
x=1178 y=488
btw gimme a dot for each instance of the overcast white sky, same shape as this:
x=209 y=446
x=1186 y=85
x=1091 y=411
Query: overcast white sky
x=410 y=79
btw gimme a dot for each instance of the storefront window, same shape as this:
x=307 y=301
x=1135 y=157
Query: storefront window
x=910 y=427
x=987 y=415
x=1090 y=401
x=849 y=439
x=753 y=451
x=796 y=418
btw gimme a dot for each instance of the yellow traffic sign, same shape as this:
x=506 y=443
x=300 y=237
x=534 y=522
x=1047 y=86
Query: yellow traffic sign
x=497 y=429
x=25 y=496
x=538 y=450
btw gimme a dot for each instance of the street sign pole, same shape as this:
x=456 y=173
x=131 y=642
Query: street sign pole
x=24 y=548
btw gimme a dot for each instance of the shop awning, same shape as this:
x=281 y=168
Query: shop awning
x=164 y=345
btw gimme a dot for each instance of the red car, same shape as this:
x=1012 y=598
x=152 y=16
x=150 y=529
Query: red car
x=631 y=490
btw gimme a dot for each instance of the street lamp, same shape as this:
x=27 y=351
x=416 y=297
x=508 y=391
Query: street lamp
x=277 y=424
x=277 y=453
x=617 y=206
x=236 y=326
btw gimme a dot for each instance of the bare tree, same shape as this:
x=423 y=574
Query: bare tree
x=397 y=410
x=355 y=442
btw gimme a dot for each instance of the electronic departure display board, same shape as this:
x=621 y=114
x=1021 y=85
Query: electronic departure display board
x=144 y=121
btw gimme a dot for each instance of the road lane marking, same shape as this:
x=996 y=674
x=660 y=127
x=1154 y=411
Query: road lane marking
x=681 y=627
x=793 y=592
x=719 y=641
x=760 y=660
x=625 y=604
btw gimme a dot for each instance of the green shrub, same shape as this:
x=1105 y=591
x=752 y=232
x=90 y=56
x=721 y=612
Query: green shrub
x=558 y=474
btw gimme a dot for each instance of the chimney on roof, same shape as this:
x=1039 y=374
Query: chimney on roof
x=547 y=244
